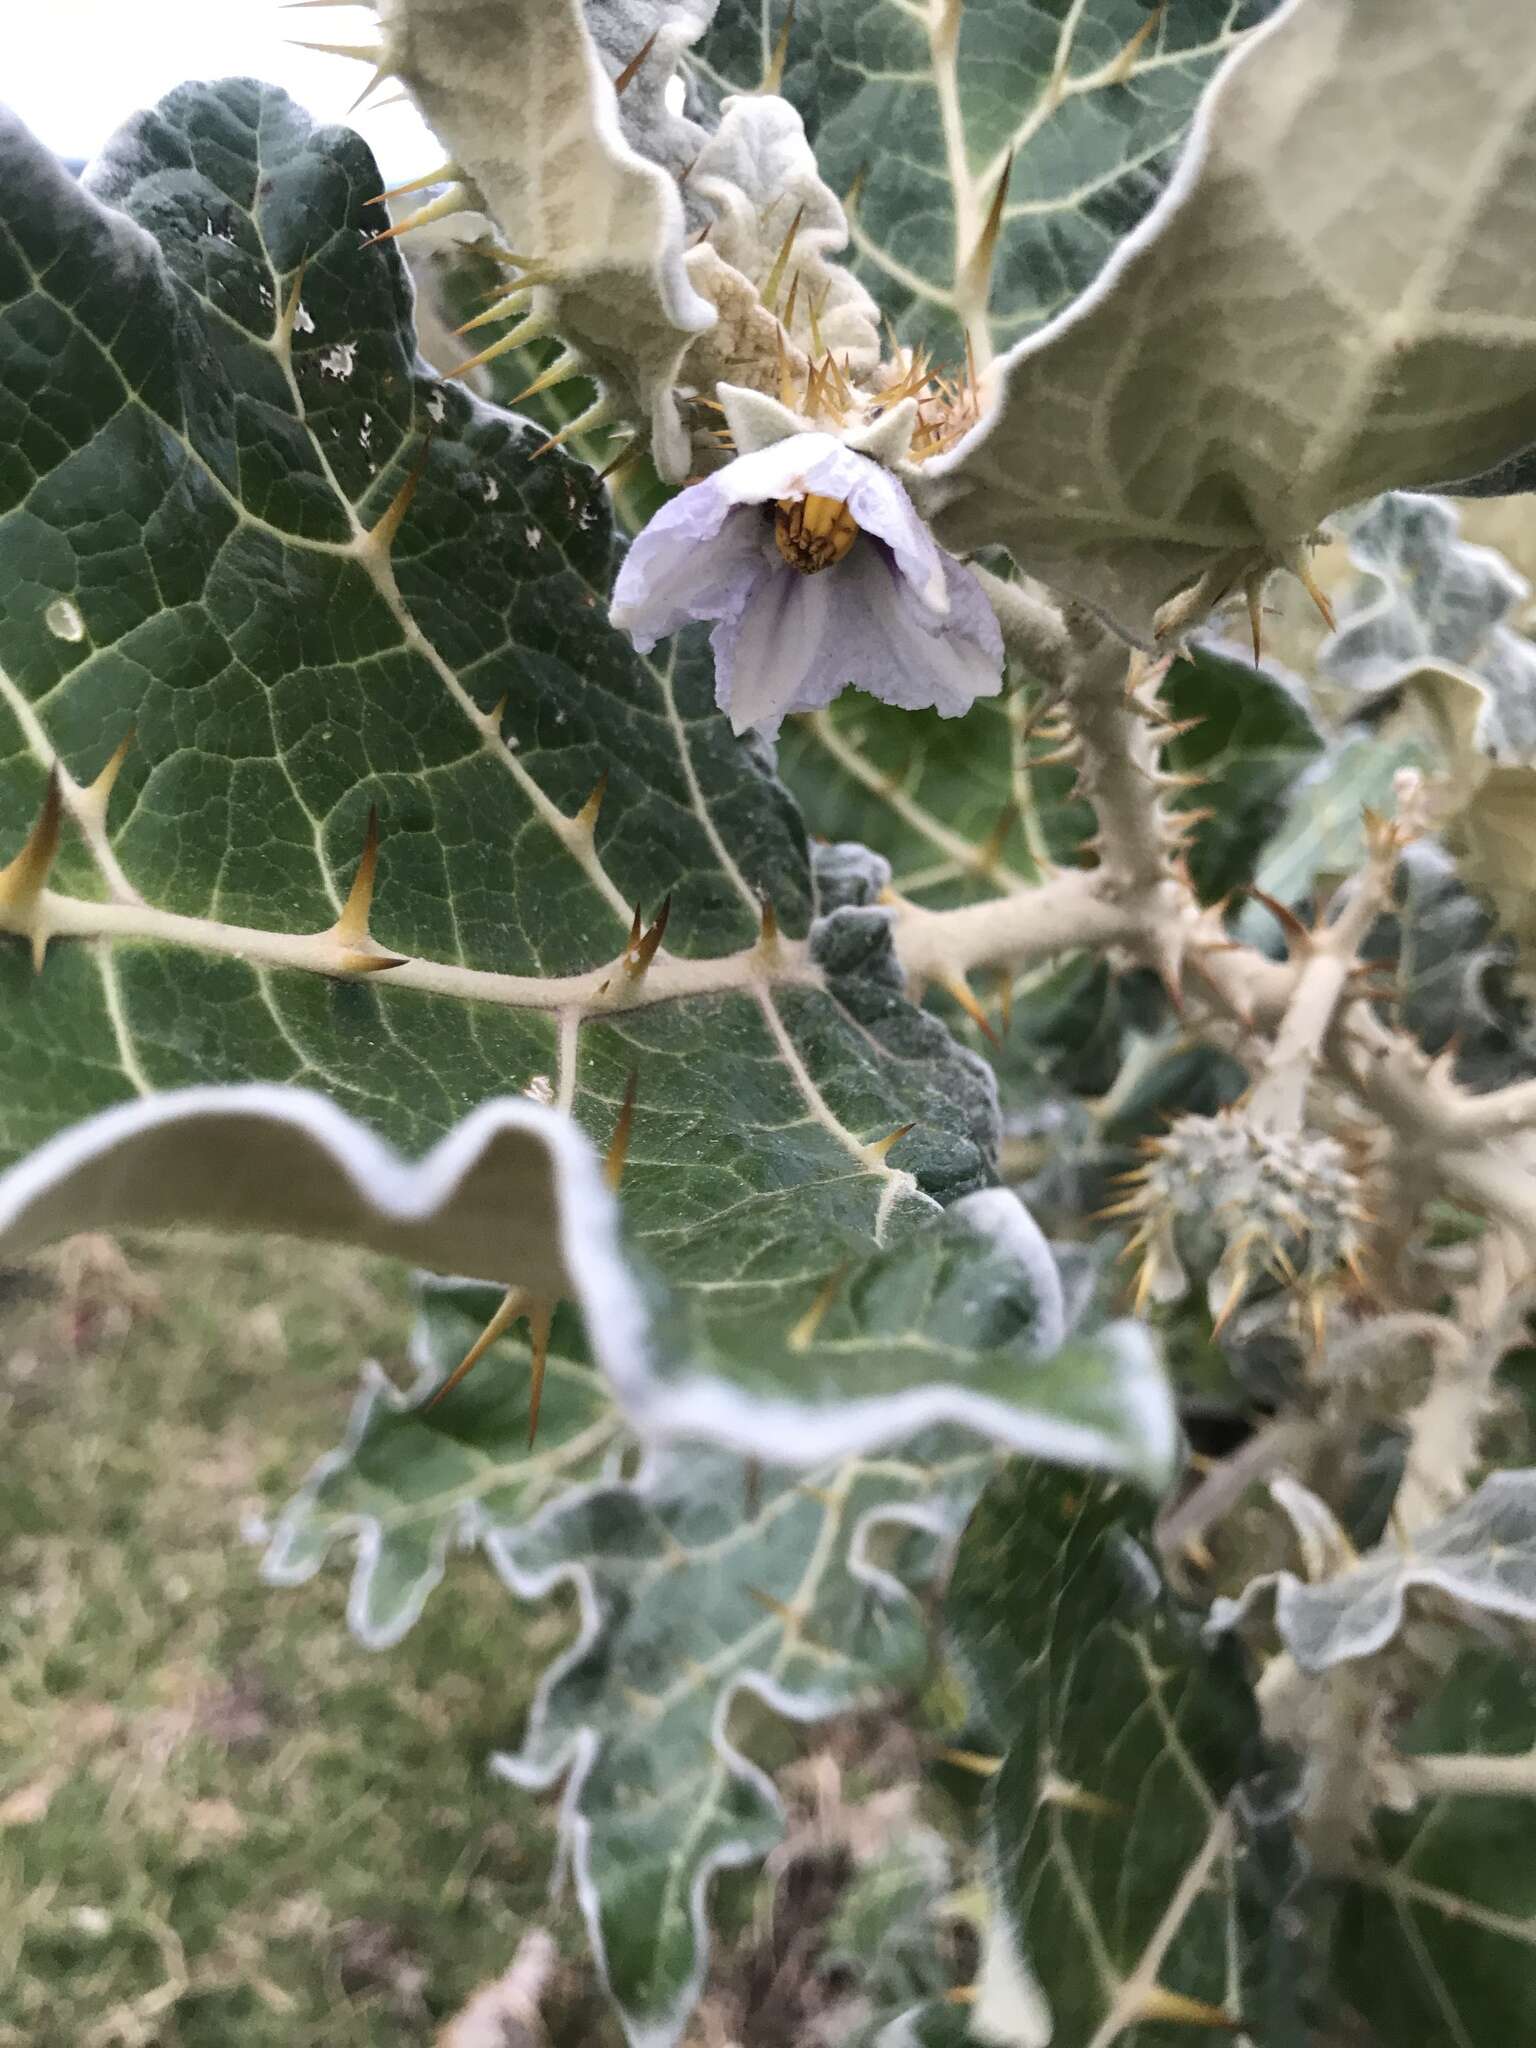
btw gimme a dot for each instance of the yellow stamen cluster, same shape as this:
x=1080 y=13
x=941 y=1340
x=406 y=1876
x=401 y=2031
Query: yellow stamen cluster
x=813 y=532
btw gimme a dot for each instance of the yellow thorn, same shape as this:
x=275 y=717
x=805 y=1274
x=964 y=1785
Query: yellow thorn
x=789 y=303
x=1253 y=590
x=507 y=304
x=351 y=928
x=291 y=305
x=1315 y=591
x=1173 y=2008
x=532 y=329
x=100 y=791
x=1125 y=63
x=587 y=816
x=781 y=1610
x=881 y=1146
x=959 y=988
x=773 y=71
x=990 y=850
x=560 y=371
x=437 y=177
x=1143 y=1286
x=1005 y=999
x=815 y=385
x=540 y=1316
x=631 y=453
x=775 y=277
x=1056 y=1791
x=979 y=265
x=362 y=53
x=855 y=191
x=454 y=200
x=1234 y=1295
x=768 y=932
x=626 y=77
x=381 y=536
x=623 y=1130
x=813 y=315
x=970 y=1760
x=595 y=416
x=1283 y=915
x=372 y=87
x=367 y=963
x=515 y=1302
x=641 y=951
x=803 y=1333
x=1317 y=1315
x=23 y=881
x=786 y=377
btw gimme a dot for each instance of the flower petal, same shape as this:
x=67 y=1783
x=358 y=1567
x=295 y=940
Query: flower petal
x=779 y=470
x=805 y=464
x=799 y=641
x=773 y=655
x=900 y=653
x=698 y=558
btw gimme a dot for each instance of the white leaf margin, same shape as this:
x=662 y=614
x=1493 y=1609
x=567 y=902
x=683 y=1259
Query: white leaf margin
x=515 y=1195
x=1357 y=1613
x=573 y=1762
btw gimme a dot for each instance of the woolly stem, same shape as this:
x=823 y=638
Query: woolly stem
x=1118 y=772
x=1279 y=1100
x=1034 y=632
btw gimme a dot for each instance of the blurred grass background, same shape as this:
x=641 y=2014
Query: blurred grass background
x=221 y=1819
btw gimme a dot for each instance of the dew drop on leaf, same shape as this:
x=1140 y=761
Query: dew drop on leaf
x=64 y=621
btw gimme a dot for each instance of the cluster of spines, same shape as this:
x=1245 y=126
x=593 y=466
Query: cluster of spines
x=949 y=403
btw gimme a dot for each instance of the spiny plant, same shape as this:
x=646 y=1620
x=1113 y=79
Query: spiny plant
x=771 y=1077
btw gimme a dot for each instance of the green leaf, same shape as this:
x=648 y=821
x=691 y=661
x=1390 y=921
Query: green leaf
x=1274 y=345
x=1124 y=1817
x=924 y=111
x=1453 y=970
x=410 y=1484
x=1433 y=1943
x=1428 y=600
x=1255 y=738
x=706 y=1584
x=461 y=279
x=199 y=480
x=704 y=1588
x=1322 y=839
x=952 y=803
x=963 y=810
x=1480 y=1557
x=602 y=239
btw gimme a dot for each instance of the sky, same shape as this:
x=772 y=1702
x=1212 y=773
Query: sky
x=74 y=69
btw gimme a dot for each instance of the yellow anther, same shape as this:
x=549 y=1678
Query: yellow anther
x=813 y=532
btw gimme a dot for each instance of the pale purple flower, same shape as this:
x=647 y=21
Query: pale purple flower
x=891 y=613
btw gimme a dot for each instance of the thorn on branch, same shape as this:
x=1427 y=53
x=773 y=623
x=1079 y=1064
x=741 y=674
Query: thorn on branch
x=626 y=77
x=24 y=880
